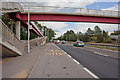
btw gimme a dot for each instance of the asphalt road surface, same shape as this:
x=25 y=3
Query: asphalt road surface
x=100 y=65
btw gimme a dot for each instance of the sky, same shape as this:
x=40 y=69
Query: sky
x=62 y=27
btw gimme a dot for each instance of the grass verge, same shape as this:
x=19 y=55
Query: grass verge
x=104 y=47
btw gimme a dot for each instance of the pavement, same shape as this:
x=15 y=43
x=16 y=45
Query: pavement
x=96 y=60
x=48 y=61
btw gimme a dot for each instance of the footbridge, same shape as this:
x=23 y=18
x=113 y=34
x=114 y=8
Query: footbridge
x=67 y=14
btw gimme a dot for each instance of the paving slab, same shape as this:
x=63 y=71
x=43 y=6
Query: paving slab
x=21 y=66
x=48 y=61
x=55 y=63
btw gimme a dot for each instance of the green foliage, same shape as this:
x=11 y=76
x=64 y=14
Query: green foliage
x=23 y=33
x=46 y=31
x=5 y=19
x=9 y=22
x=116 y=33
x=96 y=35
x=68 y=36
x=50 y=33
x=97 y=30
x=90 y=32
x=108 y=40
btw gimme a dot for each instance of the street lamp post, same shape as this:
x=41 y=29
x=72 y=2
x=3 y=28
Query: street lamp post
x=28 y=29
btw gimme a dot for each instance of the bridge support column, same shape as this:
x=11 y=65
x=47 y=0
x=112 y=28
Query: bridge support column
x=17 y=25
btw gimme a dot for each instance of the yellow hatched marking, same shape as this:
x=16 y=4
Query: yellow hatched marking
x=60 y=53
x=56 y=53
x=51 y=50
x=53 y=53
x=49 y=53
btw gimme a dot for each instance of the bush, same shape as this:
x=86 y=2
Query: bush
x=107 y=41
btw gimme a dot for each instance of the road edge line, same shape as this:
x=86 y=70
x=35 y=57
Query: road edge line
x=92 y=74
x=87 y=70
x=76 y=61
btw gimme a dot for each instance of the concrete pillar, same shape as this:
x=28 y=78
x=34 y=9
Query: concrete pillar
x=17 y=25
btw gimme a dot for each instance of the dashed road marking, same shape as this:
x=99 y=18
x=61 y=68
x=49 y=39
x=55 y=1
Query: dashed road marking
x=103 y=49
x=100 y=54
x=91 y=73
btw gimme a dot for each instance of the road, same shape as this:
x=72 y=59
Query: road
x=101 y=65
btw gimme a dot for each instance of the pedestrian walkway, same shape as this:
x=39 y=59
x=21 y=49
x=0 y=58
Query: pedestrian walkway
x=48 y=61
x=55 y=63
x=21 y=66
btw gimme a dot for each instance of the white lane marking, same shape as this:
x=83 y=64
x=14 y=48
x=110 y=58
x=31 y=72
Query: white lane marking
x=97 y=53
x=69 y=56
x=102 y=49
x=91 y=73
x=101 y=54
x=76 y=61
x=105 y=55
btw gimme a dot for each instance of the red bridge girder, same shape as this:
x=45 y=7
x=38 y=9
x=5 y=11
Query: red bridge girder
x=24 y=23
x=67 y=18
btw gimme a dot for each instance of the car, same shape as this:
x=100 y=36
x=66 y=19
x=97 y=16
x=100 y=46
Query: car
x=57 y=42
x=79 y=44
x=63 y=42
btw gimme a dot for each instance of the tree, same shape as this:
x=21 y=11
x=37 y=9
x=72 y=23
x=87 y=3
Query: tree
x=23 y=33
x=105 y=35
x=9 y=22
x=50 y=33
x=97 y=30
x=90 y=32
x=68 y=36
x=80 y=36
x=116 y=33
x=98 y=34
x=86 y=37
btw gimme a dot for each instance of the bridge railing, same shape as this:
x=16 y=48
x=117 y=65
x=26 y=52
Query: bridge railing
x=69 y=10
x=11 y=5
x=9 y=37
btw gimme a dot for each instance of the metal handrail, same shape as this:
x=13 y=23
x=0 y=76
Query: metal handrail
x=68 y=10
x=12 y=5
x=65 y=10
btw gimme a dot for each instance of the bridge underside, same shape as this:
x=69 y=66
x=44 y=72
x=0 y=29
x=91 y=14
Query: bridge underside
x=65 y=17
x=24 y=23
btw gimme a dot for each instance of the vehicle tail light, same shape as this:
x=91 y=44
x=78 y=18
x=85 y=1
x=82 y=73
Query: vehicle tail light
x=77 y=42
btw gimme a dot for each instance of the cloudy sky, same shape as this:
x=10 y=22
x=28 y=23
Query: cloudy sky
x=61 y=27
